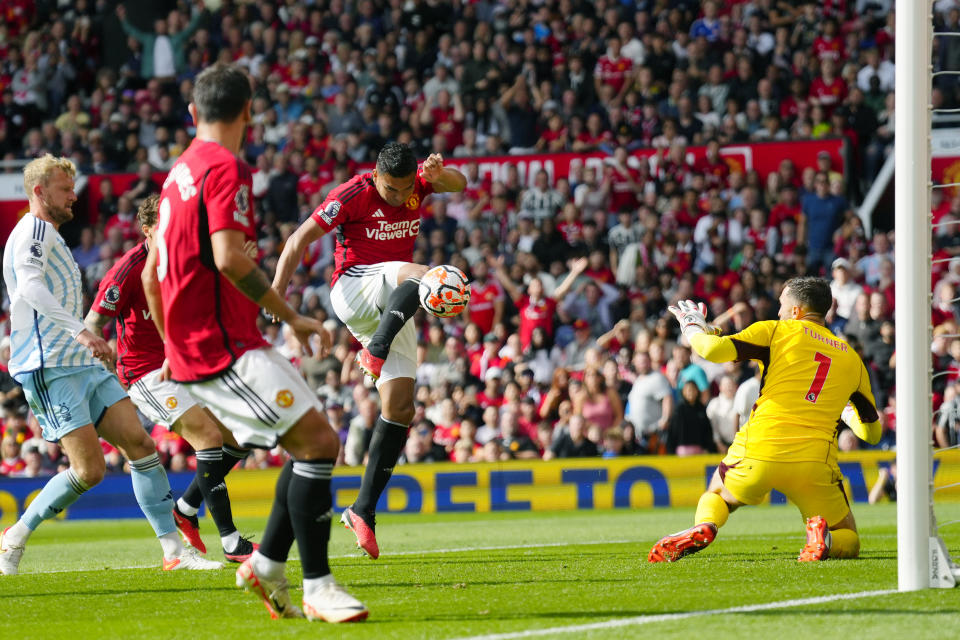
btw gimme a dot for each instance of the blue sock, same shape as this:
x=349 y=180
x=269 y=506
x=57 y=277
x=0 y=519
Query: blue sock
x=152 y=489
x=58 y=494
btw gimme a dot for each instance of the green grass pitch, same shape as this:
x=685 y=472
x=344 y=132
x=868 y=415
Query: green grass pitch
x=455 y=576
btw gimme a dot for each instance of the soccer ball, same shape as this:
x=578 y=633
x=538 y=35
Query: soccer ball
x=444 y=291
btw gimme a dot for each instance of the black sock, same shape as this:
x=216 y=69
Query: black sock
x=386 y=444
x=209 y=479
x=231 y=456
x=401 y=305
x=309 y=501
x=278 y=534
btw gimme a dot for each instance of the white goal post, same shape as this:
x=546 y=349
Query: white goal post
x=922 y=560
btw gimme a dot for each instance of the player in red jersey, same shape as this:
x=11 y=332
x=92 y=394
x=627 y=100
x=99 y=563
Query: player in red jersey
x=377 y=218
x=120 y=298
x=211 y=292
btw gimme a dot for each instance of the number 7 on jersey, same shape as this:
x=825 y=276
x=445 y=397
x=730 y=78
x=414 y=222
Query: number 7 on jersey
x=823 y=368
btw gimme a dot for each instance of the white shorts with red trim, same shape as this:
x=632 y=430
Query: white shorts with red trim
x=162 y=401
x=259 y=398
x=359 y=297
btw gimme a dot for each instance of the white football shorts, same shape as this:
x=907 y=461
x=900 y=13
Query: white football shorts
x=359 y=297
x=162 y=401
x=258 y=398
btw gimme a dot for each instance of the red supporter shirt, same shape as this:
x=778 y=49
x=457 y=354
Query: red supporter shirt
x=782 y=212
x=832 y=48
x=482 y=299
x=209 y=323
x=622 y=194
x=308 y=185
x=120 y=296
x=613 y=72
x=127 y=226
x=533 y=315
x=370 y=231
x=830 y=95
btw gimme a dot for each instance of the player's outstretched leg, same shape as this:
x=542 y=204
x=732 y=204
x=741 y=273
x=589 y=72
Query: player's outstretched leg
x=402 y=304
x=314 y=447
x=121 y=428
x=216 y=456
x=217 y=464
x=712 y=513
x=59 y=493
x=386 y=445
x=263 y=573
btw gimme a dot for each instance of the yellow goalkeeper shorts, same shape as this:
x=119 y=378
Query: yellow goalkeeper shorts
x=816 y=488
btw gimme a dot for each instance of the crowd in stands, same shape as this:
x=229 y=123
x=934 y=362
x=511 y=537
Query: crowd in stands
x=567 y=348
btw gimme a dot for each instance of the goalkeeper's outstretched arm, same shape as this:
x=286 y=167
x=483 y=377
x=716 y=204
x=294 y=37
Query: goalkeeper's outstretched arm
x=703 y=338
x=712 y=347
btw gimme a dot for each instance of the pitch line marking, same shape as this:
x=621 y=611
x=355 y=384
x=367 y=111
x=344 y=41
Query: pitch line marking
x=665 y=617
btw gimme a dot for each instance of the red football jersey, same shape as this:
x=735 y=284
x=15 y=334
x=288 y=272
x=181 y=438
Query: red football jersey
x=209 y=323
x=120 y=296
x=370 y=231
x=533 y=315
x=613 y=72
x=830 y=94
x=482 y=299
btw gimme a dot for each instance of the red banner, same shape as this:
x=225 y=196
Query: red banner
x=763 y=156
x=10 y=213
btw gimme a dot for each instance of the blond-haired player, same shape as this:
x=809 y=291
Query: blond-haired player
x=58 y=362
x=789 y=443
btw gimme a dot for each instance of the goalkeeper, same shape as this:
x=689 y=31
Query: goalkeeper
x=809 y=377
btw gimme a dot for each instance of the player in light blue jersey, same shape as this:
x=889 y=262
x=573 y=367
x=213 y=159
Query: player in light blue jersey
x=60 y=365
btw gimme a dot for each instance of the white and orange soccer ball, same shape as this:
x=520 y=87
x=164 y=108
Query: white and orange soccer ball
x=444 y=291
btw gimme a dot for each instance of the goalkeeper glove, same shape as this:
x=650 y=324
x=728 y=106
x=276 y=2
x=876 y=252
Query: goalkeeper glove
x=692 y=318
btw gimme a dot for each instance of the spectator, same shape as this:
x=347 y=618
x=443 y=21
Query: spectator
x=822 y=214
x=535 y=309
x=540 y=200
x=689 y=431
x=845 y=290
x=11 y=462
x=650 y=402
x=360 y=432
x=574 y=443
x=886 y=484
x=164 y=49
x=722 y=412
x=516 y=445
x=599 y=405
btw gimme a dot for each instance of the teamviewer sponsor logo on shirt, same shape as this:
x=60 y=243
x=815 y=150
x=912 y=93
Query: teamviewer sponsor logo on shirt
x=394 y=230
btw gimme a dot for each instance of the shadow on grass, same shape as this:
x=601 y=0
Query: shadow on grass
x=120 y=592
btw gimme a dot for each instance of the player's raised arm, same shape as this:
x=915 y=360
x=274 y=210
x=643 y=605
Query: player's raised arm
x=292 y=255
x=710 y=346
x=238 y=267
x=443 y=179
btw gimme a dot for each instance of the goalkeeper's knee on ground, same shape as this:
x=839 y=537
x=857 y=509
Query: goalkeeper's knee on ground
x=844 y=543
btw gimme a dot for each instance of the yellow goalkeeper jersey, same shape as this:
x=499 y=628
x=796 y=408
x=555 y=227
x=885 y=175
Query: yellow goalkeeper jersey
x=808 y=376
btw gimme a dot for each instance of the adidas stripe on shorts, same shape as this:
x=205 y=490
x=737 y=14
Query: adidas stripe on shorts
x=162 y=401
x=358 y=299
x=258 y=398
